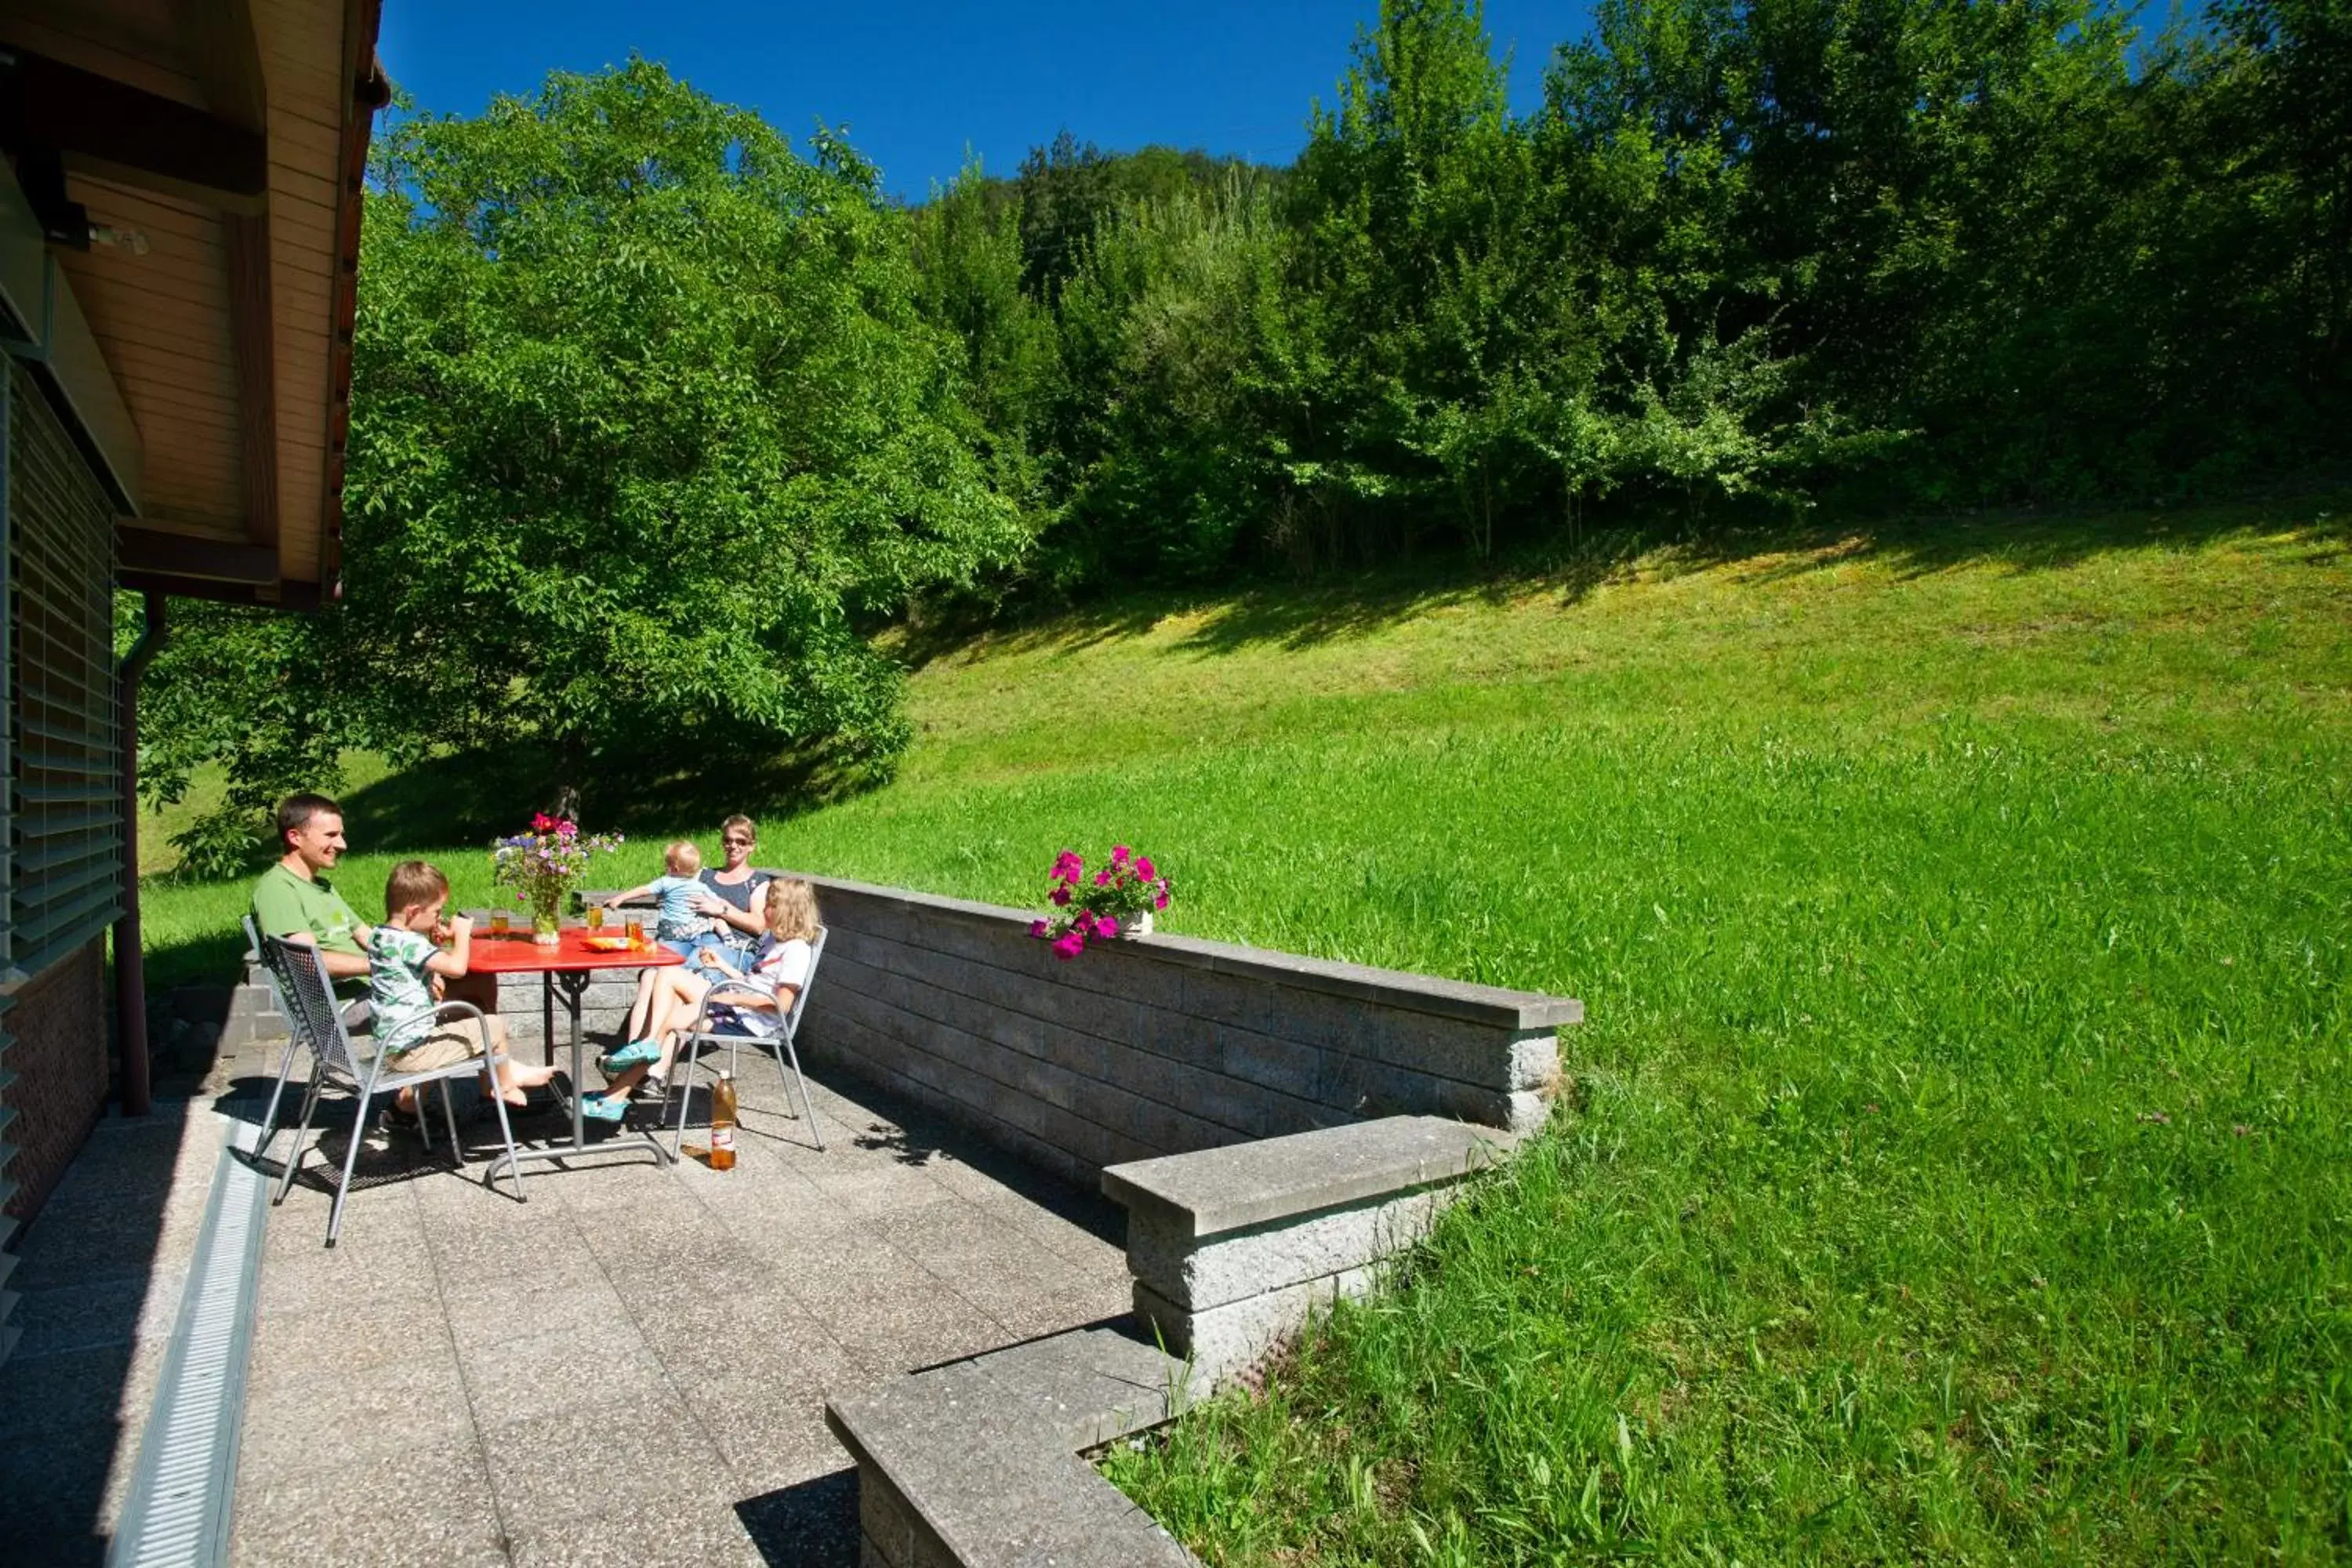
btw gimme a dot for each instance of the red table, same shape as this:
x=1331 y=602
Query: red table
x=566 y=968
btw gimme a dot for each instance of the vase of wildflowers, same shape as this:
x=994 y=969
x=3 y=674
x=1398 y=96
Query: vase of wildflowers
x=1119 y=900
x=541 y=868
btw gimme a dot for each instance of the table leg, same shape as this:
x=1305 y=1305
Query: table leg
x=574 y=986
x=579 y=1090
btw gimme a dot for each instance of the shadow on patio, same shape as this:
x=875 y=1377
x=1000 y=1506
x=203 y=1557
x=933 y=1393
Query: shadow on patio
x=633 y=1366
x=100 y=1269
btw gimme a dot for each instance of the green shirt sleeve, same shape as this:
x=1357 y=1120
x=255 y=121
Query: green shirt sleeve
x=283 y=905
x=276 y=906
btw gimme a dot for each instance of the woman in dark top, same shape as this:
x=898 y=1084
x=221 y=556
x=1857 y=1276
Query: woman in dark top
x=736 y=895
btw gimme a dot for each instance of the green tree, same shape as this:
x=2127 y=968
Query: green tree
x=969 y=261
x=1180 y=398
x=648 y=434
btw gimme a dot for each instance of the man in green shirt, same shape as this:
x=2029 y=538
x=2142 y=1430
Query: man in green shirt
x=294 y=900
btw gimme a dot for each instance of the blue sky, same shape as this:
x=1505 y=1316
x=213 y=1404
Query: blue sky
x=919 y=81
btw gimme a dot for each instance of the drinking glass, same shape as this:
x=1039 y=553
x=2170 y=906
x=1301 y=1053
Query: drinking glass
x=595 y=917
x=498 y=923
x=636 y=931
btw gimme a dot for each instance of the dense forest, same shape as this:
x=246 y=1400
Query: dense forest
x=662 y=418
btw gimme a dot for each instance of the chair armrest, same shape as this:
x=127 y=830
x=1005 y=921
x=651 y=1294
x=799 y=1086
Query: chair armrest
x=721 y=992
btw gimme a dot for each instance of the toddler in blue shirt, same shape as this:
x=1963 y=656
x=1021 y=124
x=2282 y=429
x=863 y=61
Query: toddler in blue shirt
x=677 y=923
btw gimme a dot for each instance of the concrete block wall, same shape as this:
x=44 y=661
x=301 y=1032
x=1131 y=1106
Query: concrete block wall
x=59 y=1067
x=604 y=1008
x=1233 y=1249
x=252 y=1013
x=1157 y=1045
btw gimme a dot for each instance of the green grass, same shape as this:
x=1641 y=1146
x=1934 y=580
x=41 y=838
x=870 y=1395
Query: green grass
x=1956 y=1164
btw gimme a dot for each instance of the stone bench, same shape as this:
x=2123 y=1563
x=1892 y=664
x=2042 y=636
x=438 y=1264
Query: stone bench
x=1233 y=1248
x=976 y=1464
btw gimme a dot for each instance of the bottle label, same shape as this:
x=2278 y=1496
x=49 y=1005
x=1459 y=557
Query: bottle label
x=722 y=1138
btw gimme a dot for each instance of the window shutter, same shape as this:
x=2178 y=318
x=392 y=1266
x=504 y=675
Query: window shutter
x=60 y=811
x=65 y=772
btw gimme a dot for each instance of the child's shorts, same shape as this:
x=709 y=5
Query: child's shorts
x=456 y=1041
x=696 y=951
x=724 y=1018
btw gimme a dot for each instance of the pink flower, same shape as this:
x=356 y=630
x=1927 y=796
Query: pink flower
x=1160 y=902
x=1118 y=854
x=1070 y=945
x=1060 y=895
x=1143 y=868
x=1102 y=878
x=542 y=822
x=1106 y=927
x=1036 y=928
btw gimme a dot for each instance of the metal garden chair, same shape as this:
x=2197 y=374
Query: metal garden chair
x=780 y=1045
x=317 y=1023
x=280 y=985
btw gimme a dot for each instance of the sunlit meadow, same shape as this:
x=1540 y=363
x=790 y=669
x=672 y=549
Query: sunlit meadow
x=1955 y=1166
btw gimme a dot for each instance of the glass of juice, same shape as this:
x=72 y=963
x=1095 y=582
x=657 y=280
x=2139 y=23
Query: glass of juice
x=595 y=917
x=636 y=931
x=498 y=923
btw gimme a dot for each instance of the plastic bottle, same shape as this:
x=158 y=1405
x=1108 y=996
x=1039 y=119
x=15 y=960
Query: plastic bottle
x=722 y=1123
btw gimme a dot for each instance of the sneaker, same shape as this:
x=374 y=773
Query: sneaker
x=603 y=1107
x=631 y=1054
x=394 y=1116
x=653 y=1086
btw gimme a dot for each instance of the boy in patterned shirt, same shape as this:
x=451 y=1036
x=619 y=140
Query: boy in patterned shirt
x=403 y=968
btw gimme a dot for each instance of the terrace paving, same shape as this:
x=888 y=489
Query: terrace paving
x=631 y=1367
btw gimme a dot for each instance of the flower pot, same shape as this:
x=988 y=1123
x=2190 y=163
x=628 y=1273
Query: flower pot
x=546 y=928
x=1136 y=925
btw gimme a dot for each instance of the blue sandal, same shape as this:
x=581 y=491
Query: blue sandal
x=634 y=1054
x=603 y=1107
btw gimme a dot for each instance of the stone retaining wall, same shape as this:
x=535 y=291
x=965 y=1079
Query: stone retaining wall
x=58 y=1068
x=1156 y=1045
x=604 y=1009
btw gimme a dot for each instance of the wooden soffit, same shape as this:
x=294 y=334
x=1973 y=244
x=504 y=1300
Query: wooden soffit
x=197 y=167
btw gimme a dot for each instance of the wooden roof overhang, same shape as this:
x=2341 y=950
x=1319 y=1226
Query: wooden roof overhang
x=195 y=170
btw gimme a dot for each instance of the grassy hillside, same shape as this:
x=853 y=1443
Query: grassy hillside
x=1957 y=1162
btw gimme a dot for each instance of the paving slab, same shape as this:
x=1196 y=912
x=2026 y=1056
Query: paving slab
x=640 y=1357
x=632 y=1367
x=102 y=1270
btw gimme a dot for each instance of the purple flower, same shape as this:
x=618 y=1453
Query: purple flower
x=1036 y=928
x=1060 y=895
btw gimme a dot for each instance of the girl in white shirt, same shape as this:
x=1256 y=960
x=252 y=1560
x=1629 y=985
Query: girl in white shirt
x=752 y=1003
